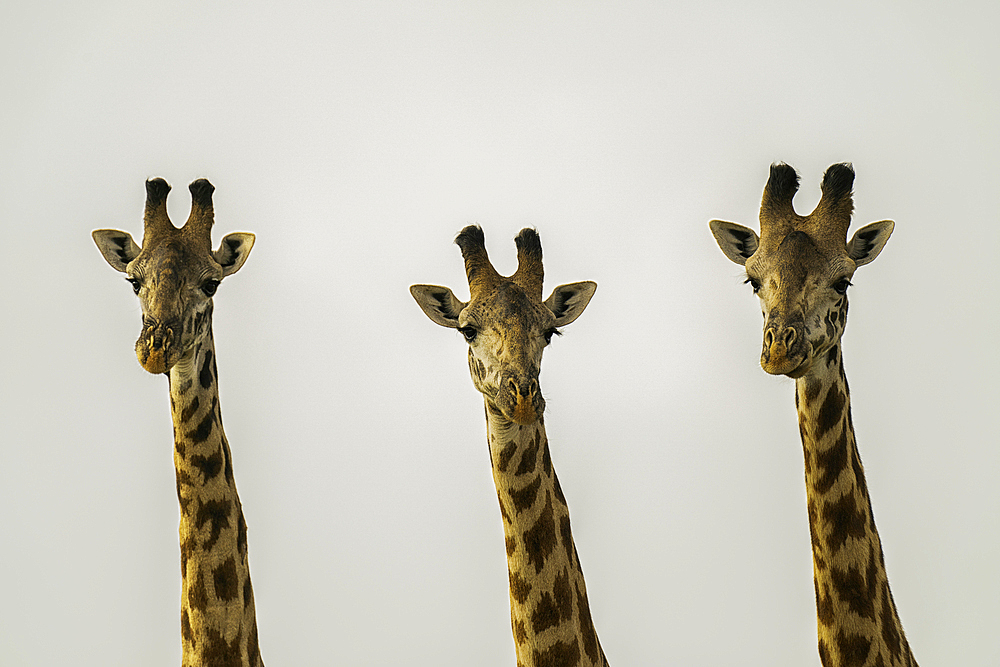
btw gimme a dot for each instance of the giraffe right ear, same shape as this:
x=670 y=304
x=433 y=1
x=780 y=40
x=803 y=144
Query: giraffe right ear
x=439 y=303
x=738 y=243
x=117 y=247
x=233 y=251
x=868 y=241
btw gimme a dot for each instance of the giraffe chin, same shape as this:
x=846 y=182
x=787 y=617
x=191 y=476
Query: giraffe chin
x=155 y=362
x=793 y=368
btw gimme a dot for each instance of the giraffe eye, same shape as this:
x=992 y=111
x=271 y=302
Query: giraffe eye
x=134 y=282
x=209 y=287
x=753 y=283
x=550 y=333
x=840 y=287
x=469 y=333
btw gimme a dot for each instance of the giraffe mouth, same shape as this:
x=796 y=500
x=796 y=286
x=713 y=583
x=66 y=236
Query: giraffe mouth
x=156 y=349
x=794 y=367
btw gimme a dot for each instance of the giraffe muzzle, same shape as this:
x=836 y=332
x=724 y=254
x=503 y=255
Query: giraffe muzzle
x=155 y=347
x=521 y=402
x=783 y=351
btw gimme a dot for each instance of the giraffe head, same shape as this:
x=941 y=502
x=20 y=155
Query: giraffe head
x=175 y=273
x=801 y=266
x=505 y=322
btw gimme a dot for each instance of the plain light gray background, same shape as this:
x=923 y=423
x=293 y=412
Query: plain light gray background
x=356 y=139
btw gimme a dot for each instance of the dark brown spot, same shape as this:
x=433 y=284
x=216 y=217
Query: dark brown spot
x=241 y=534
x=226 y=580
x=567 y=537
x=853 y=589
x=890 y=633
x=218 y=652
x=196 y=594
x=831 y=412
x=205 y=377
x=520 y=589
x=189 y=411
x=503 y=510
x=859 y=473
x=560 y=654
x=831 y=464
x=844 y=521
x=853 y=648
x=208 y=465
x=520 y=634
x=529 y=458
x=216 y=512
x=186 y=632
x=540 y=539
x=248 y=596
x=587 y=632
x=553 y=607
x=506 y=454
x=204 y=429
x=226 y=454
x=824 y=604
x=511 y=545
x=524 y=498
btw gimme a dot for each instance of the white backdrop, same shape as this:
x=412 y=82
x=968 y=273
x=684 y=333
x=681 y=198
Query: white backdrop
x=356 y=139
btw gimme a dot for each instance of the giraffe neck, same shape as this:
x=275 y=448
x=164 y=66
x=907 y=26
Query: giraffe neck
x=218 y=623
x=550 y=615
x=856 y=617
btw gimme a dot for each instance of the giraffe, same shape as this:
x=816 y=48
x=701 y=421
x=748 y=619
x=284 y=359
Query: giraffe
x=801 y=267
x=507 y=327
x=175 y=274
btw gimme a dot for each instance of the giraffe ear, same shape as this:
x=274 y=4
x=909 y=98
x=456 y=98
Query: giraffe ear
x=738 y=243
x=439 y=303
x=868 y=241
x=117 y=247
x=233 y=251
x=567 y=302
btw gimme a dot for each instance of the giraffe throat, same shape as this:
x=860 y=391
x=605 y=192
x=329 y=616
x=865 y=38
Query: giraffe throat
x=550 y=614
x=857 y=621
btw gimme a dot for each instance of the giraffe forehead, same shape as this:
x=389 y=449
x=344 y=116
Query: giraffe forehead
x=799 y=261
x=507 y=308
x=176 y=260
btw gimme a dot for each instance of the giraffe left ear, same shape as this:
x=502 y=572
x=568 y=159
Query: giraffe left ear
x=868 y=241
x=117 y=247
x=438 y=303
x=567 y=302
x=233 y=251
x=738 y=243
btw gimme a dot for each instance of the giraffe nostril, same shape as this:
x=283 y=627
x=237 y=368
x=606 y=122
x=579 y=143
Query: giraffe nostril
x=788 y=335
x=768 y=337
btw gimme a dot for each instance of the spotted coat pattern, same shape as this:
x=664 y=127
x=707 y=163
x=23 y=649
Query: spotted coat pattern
x=175 y=274
x=550 y=614
x=507 y=327
x=800 y=267
x=857 y=620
